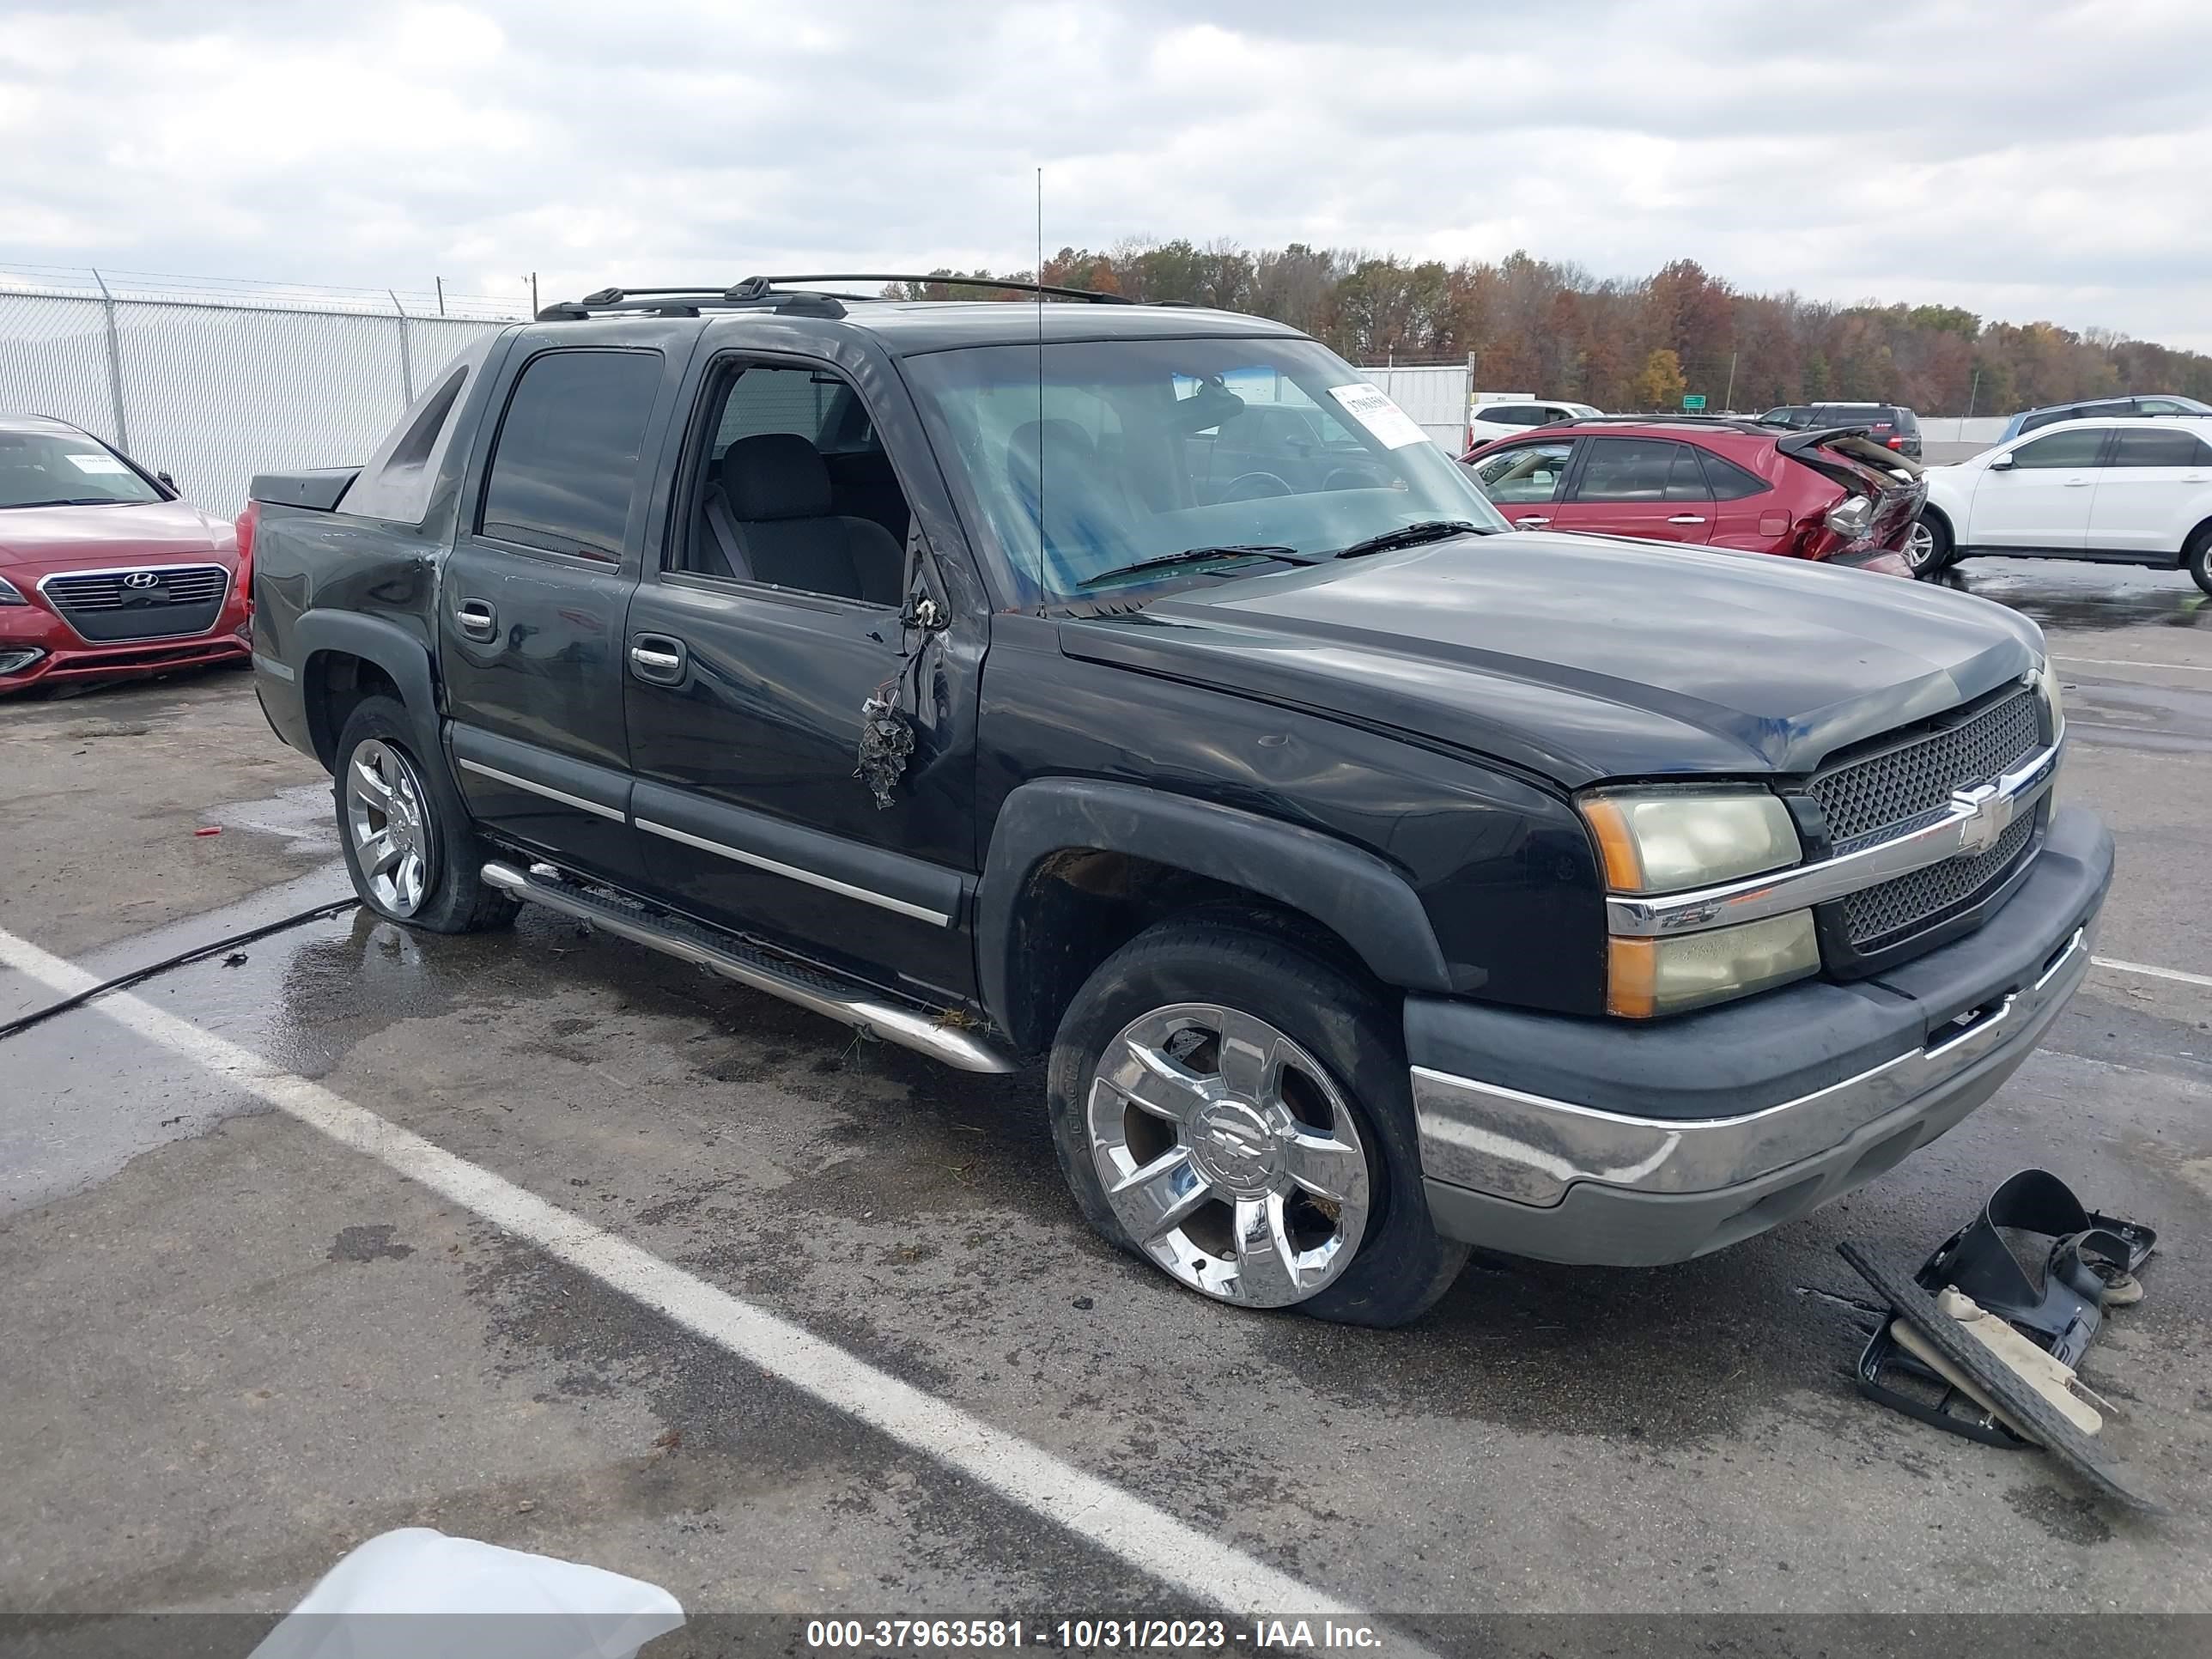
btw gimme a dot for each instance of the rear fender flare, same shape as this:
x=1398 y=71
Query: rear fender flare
x=1358 y=896
x=391 y=648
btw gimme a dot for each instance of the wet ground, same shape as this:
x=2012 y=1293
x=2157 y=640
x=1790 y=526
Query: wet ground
x=234 y=1343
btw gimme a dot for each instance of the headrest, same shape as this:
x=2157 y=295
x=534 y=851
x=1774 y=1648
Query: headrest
x=1062 y=440
x=775 y=475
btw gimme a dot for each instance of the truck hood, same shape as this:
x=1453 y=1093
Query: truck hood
x=1583 y=658
x=40 y=540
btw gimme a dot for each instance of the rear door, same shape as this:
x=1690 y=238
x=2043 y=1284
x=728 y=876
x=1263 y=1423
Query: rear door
x=1653 y=488
x=2041 y=502
x=531 y=598
x=2145 y=490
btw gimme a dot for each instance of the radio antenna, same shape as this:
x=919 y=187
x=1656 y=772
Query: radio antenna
x=1039 y=280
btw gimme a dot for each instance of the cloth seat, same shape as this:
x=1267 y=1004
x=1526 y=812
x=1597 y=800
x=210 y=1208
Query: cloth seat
x=785 y=529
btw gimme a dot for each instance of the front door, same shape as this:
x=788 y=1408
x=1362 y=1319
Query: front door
x=1523 y=482
x=532 y=599
x=2041 y=502
x=1652 y=488
x=781 y=606
x=2145 y=489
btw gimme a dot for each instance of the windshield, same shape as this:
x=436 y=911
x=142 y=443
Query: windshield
x=1263 y=450
x=46 y=469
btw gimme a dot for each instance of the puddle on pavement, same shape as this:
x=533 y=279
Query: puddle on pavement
x=2063 y=593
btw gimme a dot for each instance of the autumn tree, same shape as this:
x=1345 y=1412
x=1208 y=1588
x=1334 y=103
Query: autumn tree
x=1660 y=385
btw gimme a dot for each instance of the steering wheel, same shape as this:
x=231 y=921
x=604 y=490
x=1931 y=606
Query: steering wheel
x=1353 y=477
x=1261 y=484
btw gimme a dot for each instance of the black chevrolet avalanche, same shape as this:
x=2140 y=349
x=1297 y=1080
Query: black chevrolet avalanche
x=1134 y=689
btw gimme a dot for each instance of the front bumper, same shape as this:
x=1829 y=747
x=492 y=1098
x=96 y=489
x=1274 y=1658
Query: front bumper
x=1601 y=1142
x=56 y=652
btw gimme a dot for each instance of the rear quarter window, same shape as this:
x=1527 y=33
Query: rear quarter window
x=1728 y=481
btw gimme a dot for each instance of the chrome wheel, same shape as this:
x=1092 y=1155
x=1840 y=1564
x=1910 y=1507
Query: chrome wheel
x=1228 y=1154
x=387 y=818
x=1919 y=546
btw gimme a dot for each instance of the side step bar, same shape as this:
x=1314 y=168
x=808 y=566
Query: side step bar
x=910 y=1027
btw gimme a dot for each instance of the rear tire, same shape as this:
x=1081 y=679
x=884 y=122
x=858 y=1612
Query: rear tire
x=409 y=847
x=1279 y=1124
x=1929 y=548
x=2197 y=561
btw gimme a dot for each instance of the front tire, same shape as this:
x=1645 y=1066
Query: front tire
x=1234 y=1108
x=2197 y=560
x=407 y=845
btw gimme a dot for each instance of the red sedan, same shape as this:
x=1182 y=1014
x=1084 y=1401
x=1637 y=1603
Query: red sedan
x=1833 y=494
x=105 y=572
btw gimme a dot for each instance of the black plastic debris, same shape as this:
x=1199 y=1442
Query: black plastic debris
x=2047 y=1266
x=886 y=744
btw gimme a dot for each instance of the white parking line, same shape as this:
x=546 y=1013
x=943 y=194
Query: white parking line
x=2133 y=662
x=2119 y=966
x=1149 y=1539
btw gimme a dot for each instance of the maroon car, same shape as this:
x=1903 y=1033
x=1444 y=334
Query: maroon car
x=1833 y=494
x=105 y=571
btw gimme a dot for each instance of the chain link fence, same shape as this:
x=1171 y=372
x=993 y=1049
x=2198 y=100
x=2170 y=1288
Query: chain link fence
x=213 y=382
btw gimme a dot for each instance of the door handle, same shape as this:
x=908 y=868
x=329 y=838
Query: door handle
x=477 y=619
x=1524 y=523
x=1686 y=518
x=657 y=658
x=2077 y=483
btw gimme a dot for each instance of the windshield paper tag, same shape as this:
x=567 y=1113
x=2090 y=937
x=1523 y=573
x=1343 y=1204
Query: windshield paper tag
x=97 y=463
x=1378 y=415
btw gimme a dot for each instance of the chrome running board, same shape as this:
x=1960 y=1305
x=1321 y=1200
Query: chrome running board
x=735 y=959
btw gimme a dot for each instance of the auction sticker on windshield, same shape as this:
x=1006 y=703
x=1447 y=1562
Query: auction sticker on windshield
x=96 y=464
x=1378 y=415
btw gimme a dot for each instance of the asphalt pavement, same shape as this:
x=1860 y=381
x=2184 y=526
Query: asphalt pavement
x=541 y=1238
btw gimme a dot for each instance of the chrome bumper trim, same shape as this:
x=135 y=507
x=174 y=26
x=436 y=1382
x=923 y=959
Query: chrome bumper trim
x=1530 y=1149
x=1970 y=824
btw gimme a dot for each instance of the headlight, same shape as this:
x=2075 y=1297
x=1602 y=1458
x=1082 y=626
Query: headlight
x=2047 y=683
x=1648 y=976
x=1851 y=517
x=10 y=594
x=1666 y=838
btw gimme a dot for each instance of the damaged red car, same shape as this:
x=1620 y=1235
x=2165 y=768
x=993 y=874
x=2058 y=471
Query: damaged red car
x=106 y=572
x=1833 y=494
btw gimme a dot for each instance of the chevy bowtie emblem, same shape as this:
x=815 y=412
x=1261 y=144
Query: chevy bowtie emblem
x=141 y=579
x=1984 y=815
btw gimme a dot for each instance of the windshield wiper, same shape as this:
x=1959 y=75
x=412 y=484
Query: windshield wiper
x=1201 y=556
x=1409 y=535
x=66 y=500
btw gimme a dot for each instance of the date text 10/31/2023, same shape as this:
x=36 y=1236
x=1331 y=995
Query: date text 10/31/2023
x=1087 y=1635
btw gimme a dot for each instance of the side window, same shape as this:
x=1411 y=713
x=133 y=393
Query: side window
x=1728 y=481
x=1514 y=413
x=1525 y=473
x=2160 y=449
x=792 y=490
x=2159 y=406
x=565 y=466
x=2079 y=447
x=1640 y=470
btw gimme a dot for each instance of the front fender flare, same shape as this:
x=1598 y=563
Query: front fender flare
x=1360 y=897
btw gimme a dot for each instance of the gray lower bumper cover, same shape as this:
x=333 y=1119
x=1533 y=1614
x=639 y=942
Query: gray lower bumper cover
x=1527 y=1172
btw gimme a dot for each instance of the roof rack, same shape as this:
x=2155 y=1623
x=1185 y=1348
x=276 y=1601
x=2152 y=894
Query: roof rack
x=781 y=294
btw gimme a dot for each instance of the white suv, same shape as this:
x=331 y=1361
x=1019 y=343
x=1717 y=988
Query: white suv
x=2118 y=491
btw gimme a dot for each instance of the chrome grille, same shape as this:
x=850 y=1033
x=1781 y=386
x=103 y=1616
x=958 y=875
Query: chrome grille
x=108 y=606
x=1878 y=916
x=104 y=590
x=1882 y=795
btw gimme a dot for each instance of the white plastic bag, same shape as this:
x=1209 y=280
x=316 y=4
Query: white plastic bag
x=416 y=1593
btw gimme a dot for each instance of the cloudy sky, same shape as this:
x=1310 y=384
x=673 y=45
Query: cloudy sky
x=2023 y=158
